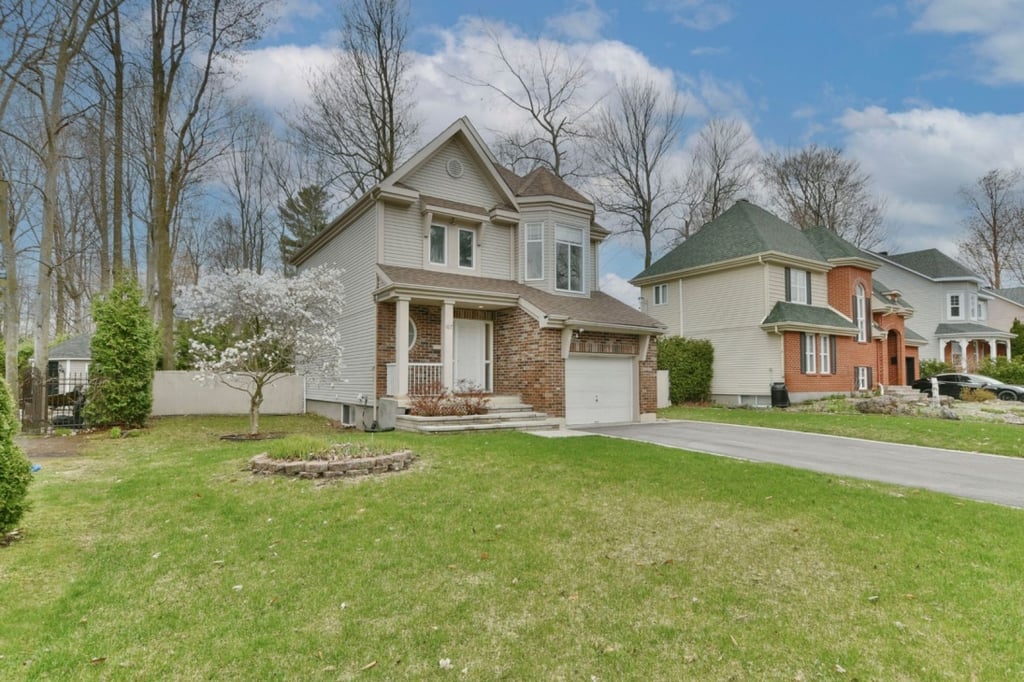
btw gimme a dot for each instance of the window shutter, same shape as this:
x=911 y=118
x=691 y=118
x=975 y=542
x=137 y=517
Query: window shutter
x=808 y=273
x=803 y=347
x=856 y=372
x=871 y=381
x=834 y=345
x=789 y=293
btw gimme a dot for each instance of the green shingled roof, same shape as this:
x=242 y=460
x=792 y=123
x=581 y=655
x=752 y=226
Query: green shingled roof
x=831 y=246
x=932 y=263
x=743 y=230
x=798 y=313
x=879 y=290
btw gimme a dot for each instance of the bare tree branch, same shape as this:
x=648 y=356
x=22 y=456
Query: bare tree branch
x=994 y=225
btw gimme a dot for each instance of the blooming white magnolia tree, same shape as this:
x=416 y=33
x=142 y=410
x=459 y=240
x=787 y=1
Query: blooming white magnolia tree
x=250 y=329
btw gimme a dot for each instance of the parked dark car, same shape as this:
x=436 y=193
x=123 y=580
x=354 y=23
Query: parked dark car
x=952 y=384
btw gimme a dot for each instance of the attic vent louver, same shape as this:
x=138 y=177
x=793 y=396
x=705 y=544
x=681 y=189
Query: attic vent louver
x=454 y=168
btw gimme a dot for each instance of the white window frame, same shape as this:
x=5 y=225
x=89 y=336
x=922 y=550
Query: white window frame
x=972 y=306
x=810 y=353
x=438 y=230
x=982 y=310
x=537 y=239
x=825 y=353
x=660 y=294
x=862 y=379
x=860 y=314
x=798 y=281
x=472 y=248
x=959 y=306
x=562 y=240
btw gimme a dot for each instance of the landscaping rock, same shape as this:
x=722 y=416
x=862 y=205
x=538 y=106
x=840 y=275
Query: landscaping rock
x=332 y=467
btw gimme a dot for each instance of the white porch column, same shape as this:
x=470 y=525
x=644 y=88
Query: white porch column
x=1008 y=345
x=402 y=346
x=448 y=344
x=963 y=354
x=992 y=349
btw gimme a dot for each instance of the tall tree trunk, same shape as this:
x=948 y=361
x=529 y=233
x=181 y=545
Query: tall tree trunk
x=12 y=309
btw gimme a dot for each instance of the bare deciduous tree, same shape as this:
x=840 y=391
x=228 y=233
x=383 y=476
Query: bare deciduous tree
x=819 y=187
x=548 y=87
x=360 y=118
x=994 y=225
x=631 y=144
x=722 y=168
x=188 y=40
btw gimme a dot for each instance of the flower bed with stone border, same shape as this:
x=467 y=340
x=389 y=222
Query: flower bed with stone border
x=332 y=467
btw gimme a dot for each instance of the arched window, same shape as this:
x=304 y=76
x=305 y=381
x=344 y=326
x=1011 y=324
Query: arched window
x=860 y=313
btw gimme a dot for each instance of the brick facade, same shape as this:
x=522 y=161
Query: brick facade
x=527 y=360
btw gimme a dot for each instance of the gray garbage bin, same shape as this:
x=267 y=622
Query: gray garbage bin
x=780 y=395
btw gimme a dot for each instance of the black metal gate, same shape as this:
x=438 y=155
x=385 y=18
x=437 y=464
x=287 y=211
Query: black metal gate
x=55 y=401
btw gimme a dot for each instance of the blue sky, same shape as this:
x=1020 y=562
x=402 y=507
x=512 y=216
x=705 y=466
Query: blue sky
x=924 y=94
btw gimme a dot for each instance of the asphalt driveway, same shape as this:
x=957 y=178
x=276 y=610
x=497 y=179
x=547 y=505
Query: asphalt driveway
x=989 y=478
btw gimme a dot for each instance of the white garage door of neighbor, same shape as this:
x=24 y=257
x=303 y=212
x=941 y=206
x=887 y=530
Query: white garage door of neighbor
x=598 y=390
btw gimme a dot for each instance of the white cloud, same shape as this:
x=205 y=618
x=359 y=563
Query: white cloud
x=920 y=158
x=584 y=22
x=616 y=286
x=997 y=27
x=278 y=77
x=700 y=15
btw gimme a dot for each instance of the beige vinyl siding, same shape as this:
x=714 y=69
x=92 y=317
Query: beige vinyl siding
x=726 y=308
x=475 y=187
x=403 y=236
x=356 y=246
x=669 y=312
x=1002 y=313
x=595 y=266
x=493 y=245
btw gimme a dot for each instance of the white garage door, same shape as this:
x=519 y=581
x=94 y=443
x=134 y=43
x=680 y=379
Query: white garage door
x=598 y=389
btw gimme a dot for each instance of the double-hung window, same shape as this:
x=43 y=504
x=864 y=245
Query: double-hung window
x=534 y=251
x=863 y=378
x=438 y=245
x=798 y=286
x=954 y=306
x=660 y=294
x=825 y=353
x=860 y=313
x=467 y=239
x=810 y=359
x=568 y=258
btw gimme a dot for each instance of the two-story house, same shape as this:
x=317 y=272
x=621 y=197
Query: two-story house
x=953 y=310
x=781 y=304
x=459 y=273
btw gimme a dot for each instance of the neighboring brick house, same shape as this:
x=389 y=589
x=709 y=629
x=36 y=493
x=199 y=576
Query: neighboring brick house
x=460 y=273
x=962 y=321
x=781 y=304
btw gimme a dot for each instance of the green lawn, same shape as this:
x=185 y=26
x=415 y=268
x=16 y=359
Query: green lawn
x=969 y=435
x=505 y=556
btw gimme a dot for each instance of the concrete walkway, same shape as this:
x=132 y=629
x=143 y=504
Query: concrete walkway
x=989 y=478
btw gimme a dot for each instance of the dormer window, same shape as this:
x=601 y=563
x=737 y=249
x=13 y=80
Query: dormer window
x=568 y=258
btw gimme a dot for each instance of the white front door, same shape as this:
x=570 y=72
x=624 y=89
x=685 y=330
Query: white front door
x=471 y=354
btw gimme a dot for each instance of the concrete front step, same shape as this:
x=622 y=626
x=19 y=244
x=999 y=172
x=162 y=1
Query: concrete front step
x=905 y=393
x=478 y=422
x=541 y=425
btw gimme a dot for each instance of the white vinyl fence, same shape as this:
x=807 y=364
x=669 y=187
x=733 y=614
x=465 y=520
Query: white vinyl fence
x=180 y=392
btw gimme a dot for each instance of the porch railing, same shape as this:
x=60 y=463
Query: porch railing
x=424 y=378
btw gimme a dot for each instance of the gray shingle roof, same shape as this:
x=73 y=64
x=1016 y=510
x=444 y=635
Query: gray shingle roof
x=831 y=246
x=599 y=308
x=911 y=335
x=971 y=329
x=932 y=263
x=75 y=348
x=1013 y=293
x=798 y=313
x=879 y=289
x=743 y=230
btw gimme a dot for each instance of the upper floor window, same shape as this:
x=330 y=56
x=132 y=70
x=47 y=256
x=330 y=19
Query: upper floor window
x=860 y=313
x=982 y=310
x=972 y=306
x=438 y=245
x=660 y=294
x=954 y=306
x=798 y=285
x=568 y=258
x=467 y=239
x=535 y=251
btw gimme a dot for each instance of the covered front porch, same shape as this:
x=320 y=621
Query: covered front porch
x=965 y=346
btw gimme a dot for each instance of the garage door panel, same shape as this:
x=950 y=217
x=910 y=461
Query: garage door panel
x=598 y=390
